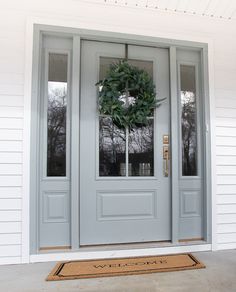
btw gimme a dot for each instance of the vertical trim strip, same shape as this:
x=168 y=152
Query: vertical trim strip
x=209 y=152
x=174 y=146
x=30 y=83
x=34 y=141
x=75 y=109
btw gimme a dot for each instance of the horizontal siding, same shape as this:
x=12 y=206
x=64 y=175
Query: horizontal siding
x=10 y=192
x=227 y=159
x=226 y=218
x=226 y=169
x=13 y=250
x=225 y=189
x=10 y=169
x=226 y=209
x=10 y=216
x=11 y=101
x=10 y=180
x=9 y=89
x=10 y=260
x=12 y=78
x=10 y=157
x=11 y=136
x=11 y=146
x=225 y=111
x=226 y=228
x=227 y=238
x=226 y=199
x=226 y=151
x=224 y=246
x=10 y=227
x=226 y=179
x=11 y=123
x=10 y=204
x=10 y=239
x=226 y=131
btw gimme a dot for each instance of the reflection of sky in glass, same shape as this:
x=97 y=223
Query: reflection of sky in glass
x=57 y=91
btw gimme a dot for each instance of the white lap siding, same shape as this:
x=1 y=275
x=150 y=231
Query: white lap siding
x=11 y=131
x=226 y=167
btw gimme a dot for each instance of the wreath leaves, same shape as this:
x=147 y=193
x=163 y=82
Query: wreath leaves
x=127 y=94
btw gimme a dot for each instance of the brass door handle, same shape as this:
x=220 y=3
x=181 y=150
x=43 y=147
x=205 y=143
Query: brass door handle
x=166 y=160
x=166 y=171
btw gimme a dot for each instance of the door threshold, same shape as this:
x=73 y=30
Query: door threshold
x=120 y=251
x=141 y=245
x=123 y=246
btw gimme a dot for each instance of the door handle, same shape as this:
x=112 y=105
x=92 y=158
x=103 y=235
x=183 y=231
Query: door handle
x=166 y=160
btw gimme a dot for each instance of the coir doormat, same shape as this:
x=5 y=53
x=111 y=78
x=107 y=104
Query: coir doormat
x=123 y=266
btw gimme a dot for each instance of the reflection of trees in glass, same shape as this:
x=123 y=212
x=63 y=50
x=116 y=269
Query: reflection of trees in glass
x=141 y=150
x=189 y=133
x=56 y=153
x=111 y=148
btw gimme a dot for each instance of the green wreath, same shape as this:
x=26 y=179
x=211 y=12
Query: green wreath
x=127 y=94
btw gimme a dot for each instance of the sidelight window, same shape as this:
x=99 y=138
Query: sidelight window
x=57 y=114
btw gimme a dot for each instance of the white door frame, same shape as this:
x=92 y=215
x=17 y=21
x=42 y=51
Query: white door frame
x=33 y=39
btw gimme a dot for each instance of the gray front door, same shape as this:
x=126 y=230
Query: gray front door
x=124 y=185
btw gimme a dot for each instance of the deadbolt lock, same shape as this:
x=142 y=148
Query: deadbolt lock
x=165 y=139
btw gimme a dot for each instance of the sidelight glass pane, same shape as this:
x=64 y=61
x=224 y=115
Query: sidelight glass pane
x=56 y=114
x=141 y=154
x=111 y=149
x=188 y=120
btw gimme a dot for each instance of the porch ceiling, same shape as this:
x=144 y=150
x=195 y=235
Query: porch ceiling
x=209 y=8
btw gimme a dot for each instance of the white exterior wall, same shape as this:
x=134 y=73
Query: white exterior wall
x=16 y=39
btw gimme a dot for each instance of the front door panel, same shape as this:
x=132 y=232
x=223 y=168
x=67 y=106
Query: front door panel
x=124 y=180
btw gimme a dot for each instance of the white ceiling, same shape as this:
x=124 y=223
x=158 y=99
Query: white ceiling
x=223 y=9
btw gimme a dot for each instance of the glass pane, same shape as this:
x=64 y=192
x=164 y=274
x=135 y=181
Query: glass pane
x=112 y=141
x=188 y=120
x=141 y=154
x=144 y=65
x=111 y=149
x=56 y=115
x=105 y=63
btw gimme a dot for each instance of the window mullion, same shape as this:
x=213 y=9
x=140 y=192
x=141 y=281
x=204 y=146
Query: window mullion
x=127 y=151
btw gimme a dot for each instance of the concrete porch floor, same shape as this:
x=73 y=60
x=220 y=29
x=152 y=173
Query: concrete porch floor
x=219 y=275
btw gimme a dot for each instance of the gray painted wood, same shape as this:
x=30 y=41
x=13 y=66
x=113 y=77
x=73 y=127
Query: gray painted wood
x=54 y=191
x=191 y=193
x=174 y=145
x=119 y=210
x=116 y=38
x=75 y=109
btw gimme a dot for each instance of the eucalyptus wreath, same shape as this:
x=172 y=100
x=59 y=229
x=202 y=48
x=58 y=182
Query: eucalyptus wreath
x=127 y=94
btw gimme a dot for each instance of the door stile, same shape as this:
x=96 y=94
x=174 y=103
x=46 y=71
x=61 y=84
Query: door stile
x=75 y=142
x=174 y=147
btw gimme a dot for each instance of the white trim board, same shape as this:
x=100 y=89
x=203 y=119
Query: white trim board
x=31 y=21
x=86 y=255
